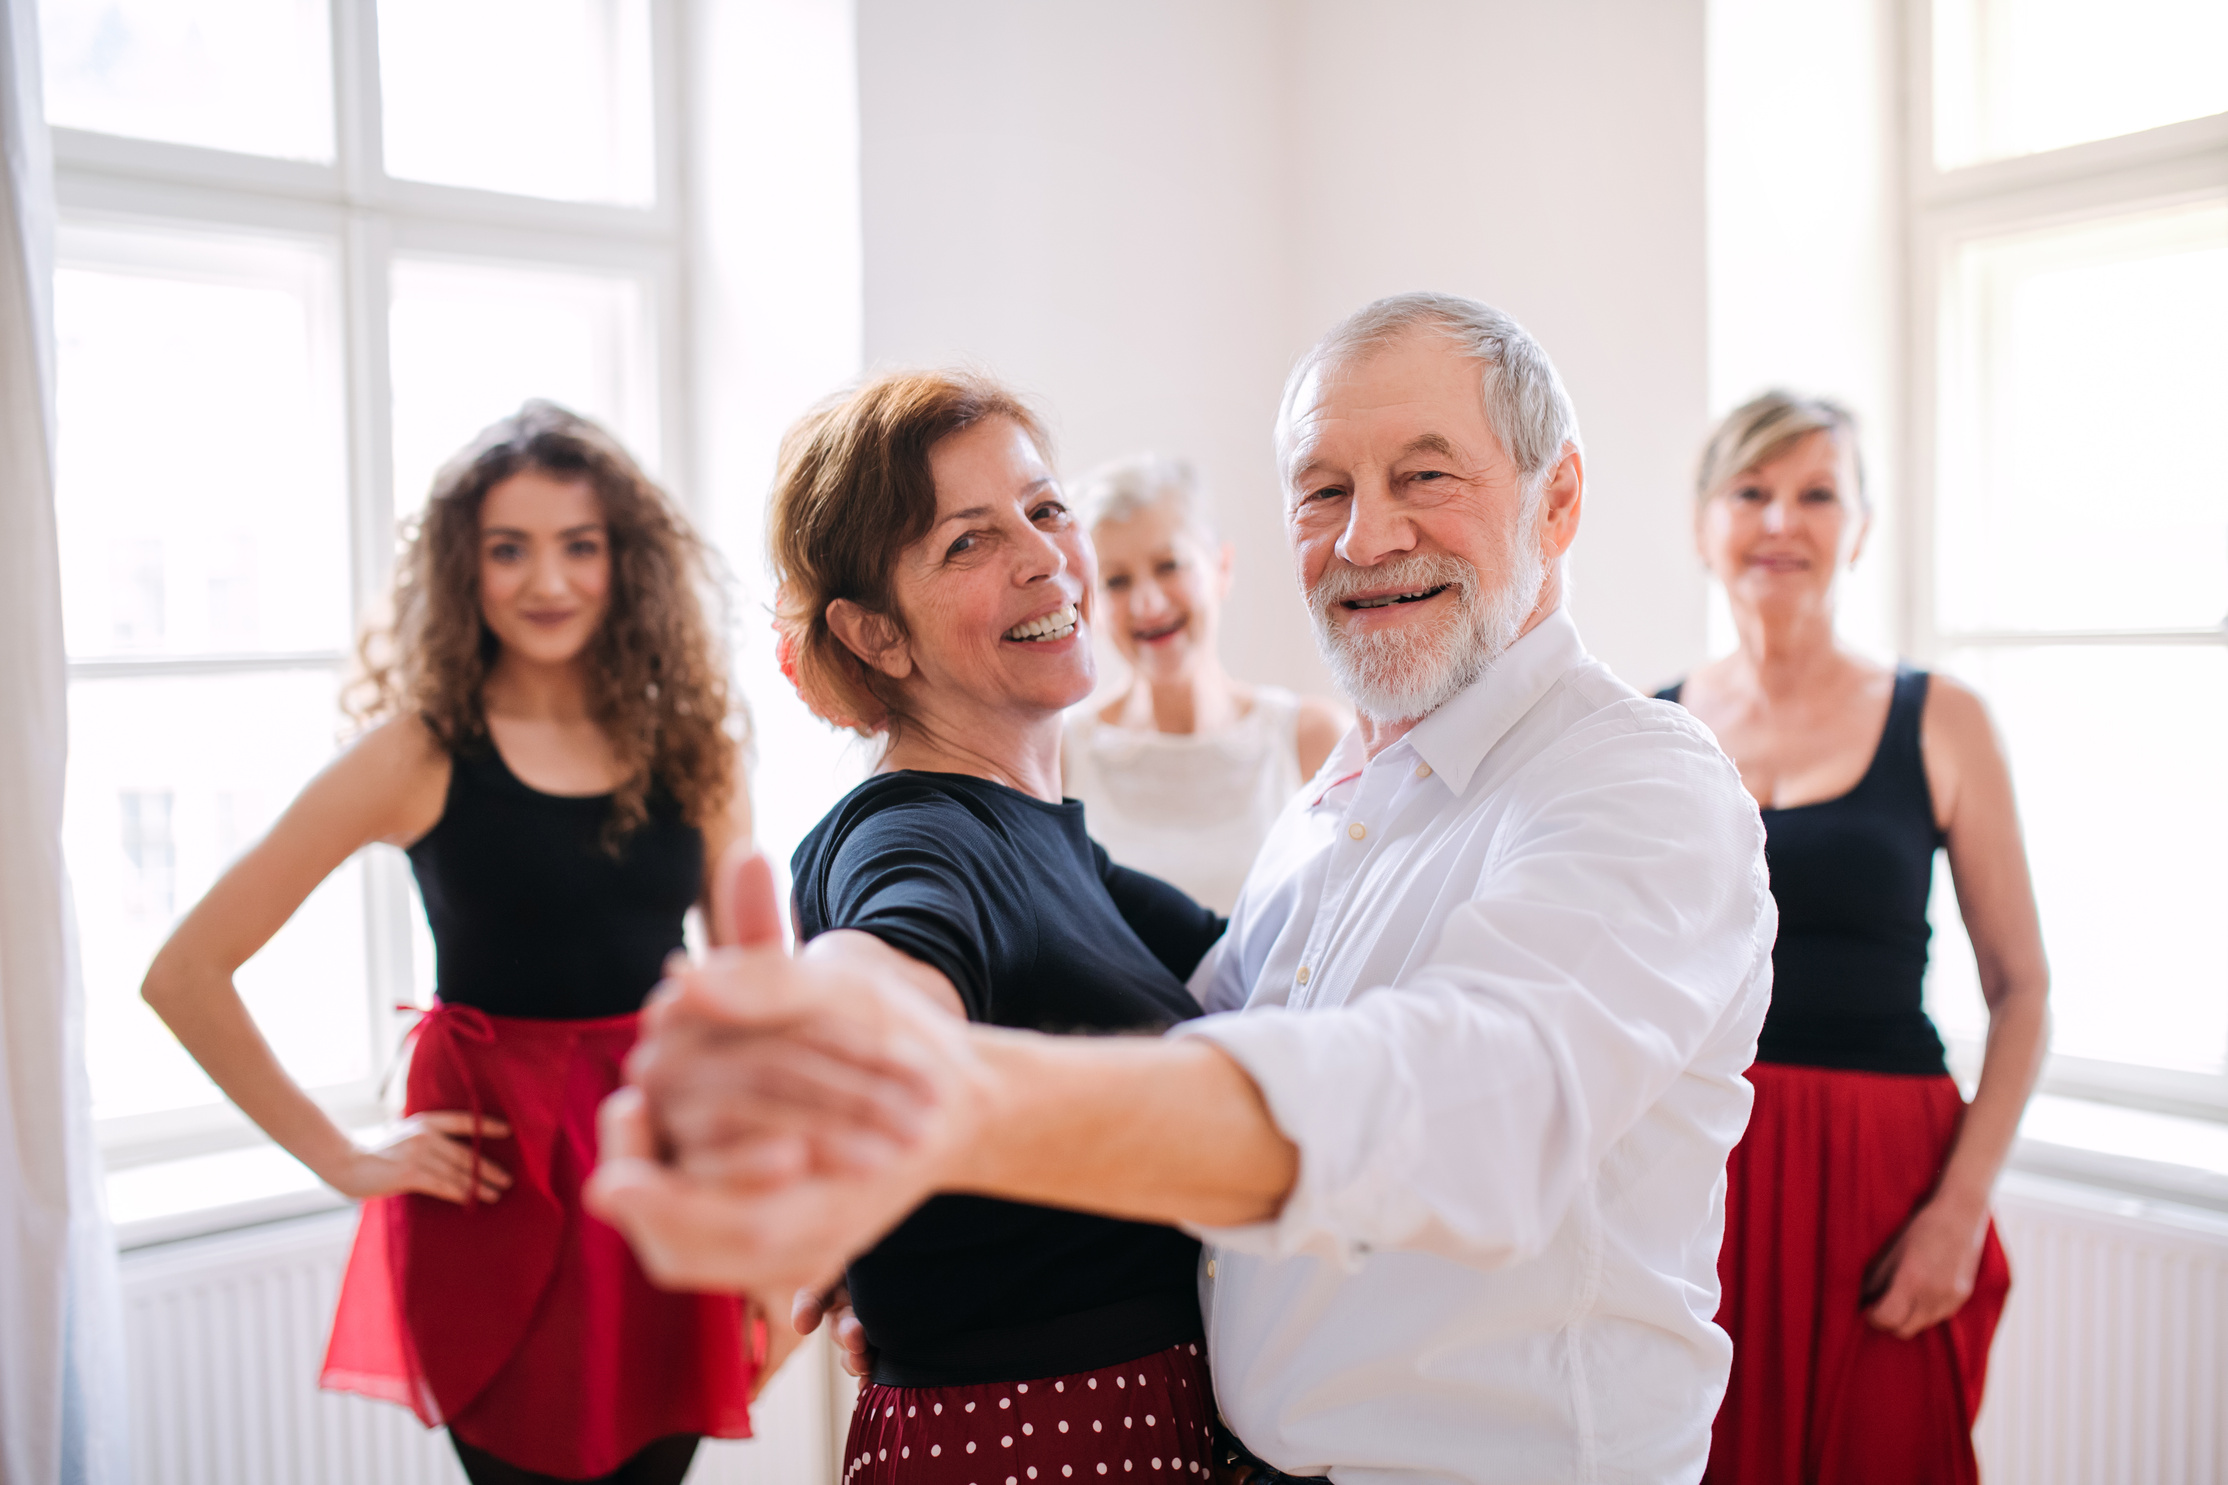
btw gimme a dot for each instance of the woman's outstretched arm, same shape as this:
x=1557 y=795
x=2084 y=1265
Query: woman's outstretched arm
x=389 y=787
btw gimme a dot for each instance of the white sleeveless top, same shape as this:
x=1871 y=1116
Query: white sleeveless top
x=1189 y=809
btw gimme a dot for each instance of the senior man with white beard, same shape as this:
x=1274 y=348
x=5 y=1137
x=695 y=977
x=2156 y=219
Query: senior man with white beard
x=1455 y=1128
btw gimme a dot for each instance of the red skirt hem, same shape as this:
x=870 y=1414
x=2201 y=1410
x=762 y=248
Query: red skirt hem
x=1832 y=1166
x=525 y=1326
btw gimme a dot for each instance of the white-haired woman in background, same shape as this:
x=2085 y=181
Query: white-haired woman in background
x=1183 y=772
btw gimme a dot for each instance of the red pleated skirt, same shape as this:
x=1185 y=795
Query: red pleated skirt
x=1150 y=1419
x=1833 y=1164
x=525 y=1325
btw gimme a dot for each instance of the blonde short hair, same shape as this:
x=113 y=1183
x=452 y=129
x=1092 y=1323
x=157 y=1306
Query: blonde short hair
x=1123 y=489
x=1763 y=428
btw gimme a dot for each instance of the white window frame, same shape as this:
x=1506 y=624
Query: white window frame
x=1944 y=209
x=354 y=209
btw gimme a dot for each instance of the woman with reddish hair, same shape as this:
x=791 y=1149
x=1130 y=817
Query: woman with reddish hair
x=550 y=739
x=936 y=596
x=1862 y=1279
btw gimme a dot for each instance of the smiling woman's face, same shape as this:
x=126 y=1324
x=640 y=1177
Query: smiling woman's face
x=1783 y=532
x=545 y=565
x=996 y=598
x=1161 y=586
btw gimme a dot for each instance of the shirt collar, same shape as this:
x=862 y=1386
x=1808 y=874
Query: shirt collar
x=1455 y=739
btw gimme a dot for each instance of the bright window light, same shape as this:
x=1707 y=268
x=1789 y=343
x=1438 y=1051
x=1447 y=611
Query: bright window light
x=2083 y=482
x=201 y=473
x=2081 y=585
x=532 y=97
x=471 y=341
x=254 y=76
x=2116 y=754
x=2015 y=77
x=170 y=779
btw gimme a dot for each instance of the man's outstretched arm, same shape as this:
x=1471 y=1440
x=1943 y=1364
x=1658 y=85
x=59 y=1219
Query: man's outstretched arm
x=728 y=1167
x=1155 y=1130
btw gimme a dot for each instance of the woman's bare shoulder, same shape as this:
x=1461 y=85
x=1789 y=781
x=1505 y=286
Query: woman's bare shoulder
x=401 y=770
x=1320 y=724
x=1957 y=717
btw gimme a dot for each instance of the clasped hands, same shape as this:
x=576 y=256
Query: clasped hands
x=781 y=1113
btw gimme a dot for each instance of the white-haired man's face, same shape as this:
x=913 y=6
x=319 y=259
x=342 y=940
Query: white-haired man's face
x=1421 y=550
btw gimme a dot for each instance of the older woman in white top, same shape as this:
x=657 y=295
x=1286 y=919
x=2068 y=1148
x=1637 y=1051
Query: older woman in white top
x=1182 y=773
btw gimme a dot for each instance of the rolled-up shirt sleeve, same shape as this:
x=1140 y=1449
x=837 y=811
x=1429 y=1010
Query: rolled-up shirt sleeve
x=1622 y=921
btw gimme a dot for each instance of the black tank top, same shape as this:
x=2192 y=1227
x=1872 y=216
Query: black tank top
x=531 y=915
x=1852 y=877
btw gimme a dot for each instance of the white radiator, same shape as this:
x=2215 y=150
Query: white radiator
x=2111 y=1364
x=226 y=1335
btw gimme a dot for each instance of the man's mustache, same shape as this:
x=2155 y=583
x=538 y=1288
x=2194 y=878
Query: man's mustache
x=1418 y=572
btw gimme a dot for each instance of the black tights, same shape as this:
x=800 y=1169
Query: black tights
x=661 y=1463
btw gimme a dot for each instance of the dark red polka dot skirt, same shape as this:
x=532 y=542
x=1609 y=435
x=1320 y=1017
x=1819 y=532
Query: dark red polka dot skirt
x=1148 y=1419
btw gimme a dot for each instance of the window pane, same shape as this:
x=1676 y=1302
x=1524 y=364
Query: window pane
x=248 y=75
x=170 y=778
x=2116 y=752
x=471 y=341
x=534 y=97
x=201 y=476
x=2015 y=76
x=2083 y=482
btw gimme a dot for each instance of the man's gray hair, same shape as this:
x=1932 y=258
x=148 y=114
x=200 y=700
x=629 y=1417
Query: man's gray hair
x=1525 y=402
x=1123 y=489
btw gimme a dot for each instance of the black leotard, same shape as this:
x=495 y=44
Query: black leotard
x=531 y=915
x=1852 y=877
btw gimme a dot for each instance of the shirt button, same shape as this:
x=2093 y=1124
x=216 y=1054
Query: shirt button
x=1423 y=770
x=1357 y=830
x=1303 y=974
x=1210 y=1268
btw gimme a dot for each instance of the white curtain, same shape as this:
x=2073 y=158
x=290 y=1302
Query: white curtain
x=62 y=1406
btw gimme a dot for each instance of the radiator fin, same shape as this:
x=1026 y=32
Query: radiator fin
x=226 y=1336
x=2112 y=1360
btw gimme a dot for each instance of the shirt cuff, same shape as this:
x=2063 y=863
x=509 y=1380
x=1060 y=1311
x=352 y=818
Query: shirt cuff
x=1325 y=1087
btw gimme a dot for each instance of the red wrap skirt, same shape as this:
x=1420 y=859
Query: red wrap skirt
x=1833 y=1164
x=525 y=1325
x=1148 y=1419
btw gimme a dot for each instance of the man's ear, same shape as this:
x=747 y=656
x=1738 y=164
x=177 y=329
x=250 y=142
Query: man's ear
x=1560 y=503
x=872 y=637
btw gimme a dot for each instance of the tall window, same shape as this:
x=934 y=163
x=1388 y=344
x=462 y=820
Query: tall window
x=2069 y=217
x=308 y=248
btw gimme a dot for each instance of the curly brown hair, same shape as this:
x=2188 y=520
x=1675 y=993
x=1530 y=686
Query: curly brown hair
x=853 y=489
x=657 y=677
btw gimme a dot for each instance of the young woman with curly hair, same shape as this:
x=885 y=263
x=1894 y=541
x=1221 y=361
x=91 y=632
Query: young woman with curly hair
x=548 y=735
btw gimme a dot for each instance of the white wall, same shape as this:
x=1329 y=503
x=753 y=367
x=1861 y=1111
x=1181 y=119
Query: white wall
x=1085 y=199
x=1143 y=212
x=1805 y=225
x=774 y=313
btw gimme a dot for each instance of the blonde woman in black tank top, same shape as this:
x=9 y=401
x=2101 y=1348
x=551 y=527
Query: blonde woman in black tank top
x=551 y=743
x=1862 y=1277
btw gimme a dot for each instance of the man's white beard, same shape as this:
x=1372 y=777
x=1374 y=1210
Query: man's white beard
x=1397 y=674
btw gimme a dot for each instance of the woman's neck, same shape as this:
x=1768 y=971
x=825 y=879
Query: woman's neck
x=532 y=690
x=1025 y=758
x=1786 y=653
x=1203 y=699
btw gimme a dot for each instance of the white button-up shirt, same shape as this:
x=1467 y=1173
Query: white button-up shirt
x=1499 y=984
